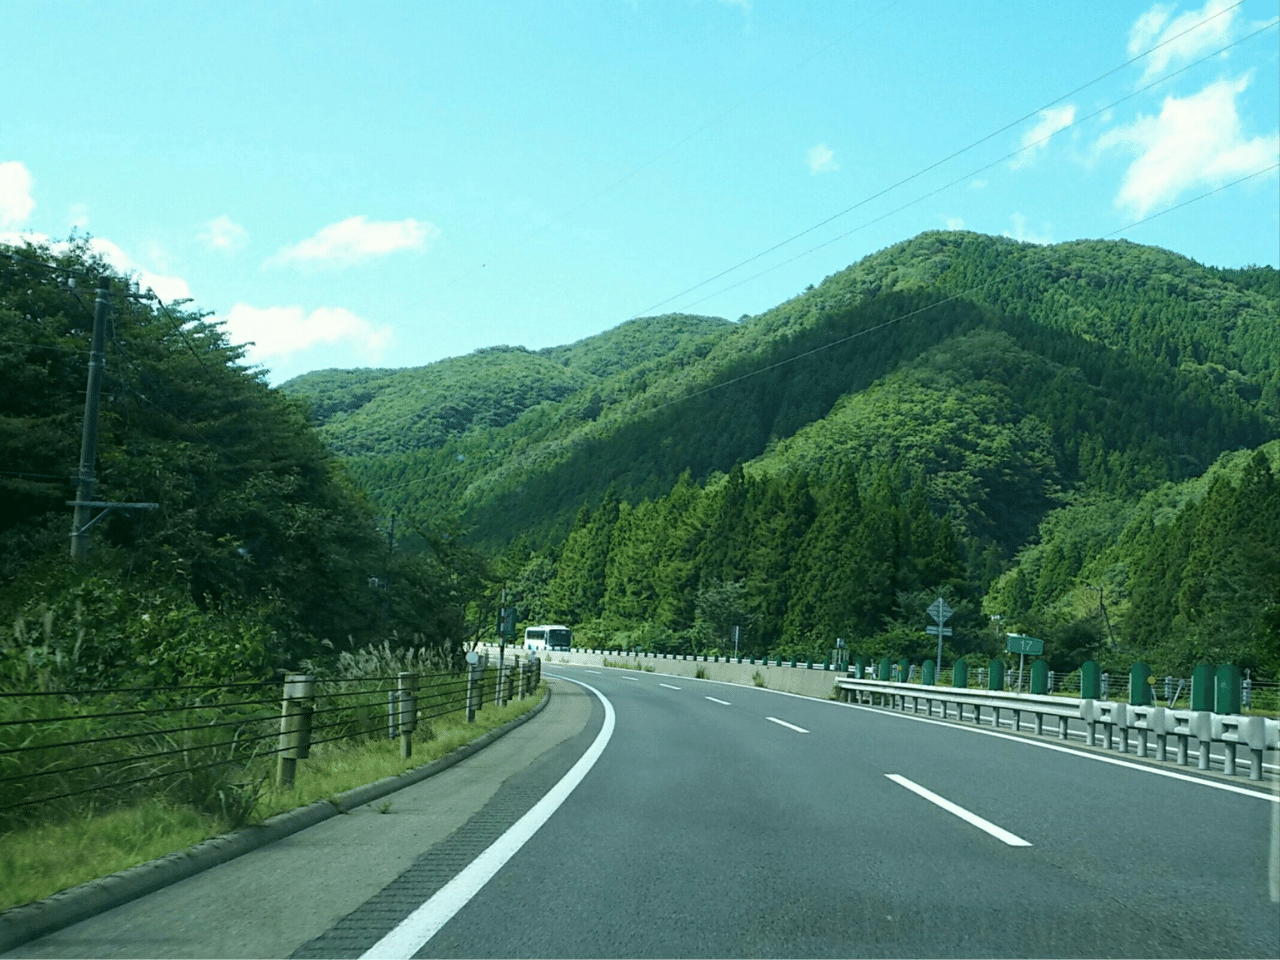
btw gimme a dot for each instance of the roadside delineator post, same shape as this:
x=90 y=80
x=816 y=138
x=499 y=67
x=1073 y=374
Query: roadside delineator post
x=474 y=670
x=407 y=711
x=296 y=706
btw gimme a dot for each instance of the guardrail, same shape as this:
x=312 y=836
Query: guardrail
x=1256 y=734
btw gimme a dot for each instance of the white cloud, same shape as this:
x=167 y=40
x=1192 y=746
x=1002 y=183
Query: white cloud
x=822 y=159
x=1036 y=140
x=279 y=332
x=955 y=223
x=1196 y=141
x=1155 y=27
x=167 y=288
x=1024 y=235
x=223 y=233
x=355 y=239
x=78 y=216
x=16 y=202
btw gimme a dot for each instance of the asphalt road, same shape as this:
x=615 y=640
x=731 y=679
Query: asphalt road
x=707 y=829
x=731 y=821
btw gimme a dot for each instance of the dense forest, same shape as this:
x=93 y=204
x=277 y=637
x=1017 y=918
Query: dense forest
x=261 y=551
x=1077 y=441
x=934 y=419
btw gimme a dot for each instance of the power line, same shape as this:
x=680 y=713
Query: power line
x=1048 y=254
x=679 y=143
x=988 y=166
x=919 y=173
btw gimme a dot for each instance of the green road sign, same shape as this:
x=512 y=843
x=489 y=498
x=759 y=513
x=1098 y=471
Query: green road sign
x=1030 y=646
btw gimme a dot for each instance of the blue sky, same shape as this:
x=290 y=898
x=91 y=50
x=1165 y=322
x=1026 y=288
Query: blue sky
x=387 y=184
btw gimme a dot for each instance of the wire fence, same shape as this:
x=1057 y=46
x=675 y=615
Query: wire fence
x=69 y=753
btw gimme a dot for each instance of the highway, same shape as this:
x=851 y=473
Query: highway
x=711 y=819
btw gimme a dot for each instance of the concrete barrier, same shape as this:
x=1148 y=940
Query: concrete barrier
x=801 y=679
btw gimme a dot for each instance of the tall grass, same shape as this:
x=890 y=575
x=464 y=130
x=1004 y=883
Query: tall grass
x=79 y=755
x=40 y=859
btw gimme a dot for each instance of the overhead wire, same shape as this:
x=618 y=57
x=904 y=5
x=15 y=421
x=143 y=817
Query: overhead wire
x=933 y=166
x=537 y=231
x=952 y=183
x=470 y=466
x=1048 y=254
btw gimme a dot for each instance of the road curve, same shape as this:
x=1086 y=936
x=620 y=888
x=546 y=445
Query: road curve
x=724 y=820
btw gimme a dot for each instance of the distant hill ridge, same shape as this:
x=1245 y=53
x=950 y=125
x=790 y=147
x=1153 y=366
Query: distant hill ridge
x=380 y=411
x=1111 y=365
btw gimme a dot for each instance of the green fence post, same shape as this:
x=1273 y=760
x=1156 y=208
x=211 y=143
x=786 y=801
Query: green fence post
x=1090 y=680
x=1040 y=677
x=927 y=673
x=904 y=670
x=960 y=675
x=1226 y=690
x=883 y=672
x=1140 y=685
x=995 y=675
x=1202 y=684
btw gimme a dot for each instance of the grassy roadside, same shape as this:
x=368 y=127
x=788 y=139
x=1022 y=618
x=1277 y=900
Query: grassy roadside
x=42 y=860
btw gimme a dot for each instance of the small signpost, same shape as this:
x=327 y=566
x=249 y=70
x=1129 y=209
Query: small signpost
x=941 y=612
x=1017 y=643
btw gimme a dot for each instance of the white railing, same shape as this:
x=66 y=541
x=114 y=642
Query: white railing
x=1256 y=734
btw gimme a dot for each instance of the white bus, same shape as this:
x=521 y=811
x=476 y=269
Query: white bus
x=551 y=636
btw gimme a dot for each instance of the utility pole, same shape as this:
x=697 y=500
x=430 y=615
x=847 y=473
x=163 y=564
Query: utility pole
x=86 y=480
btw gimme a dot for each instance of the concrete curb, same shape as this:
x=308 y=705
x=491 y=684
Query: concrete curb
x=22 y=924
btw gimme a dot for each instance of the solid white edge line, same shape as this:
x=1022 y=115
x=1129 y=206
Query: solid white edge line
x=789 y=726
x=1059 y=748
x=415 y=930
x=987 y=826
x=724 y=702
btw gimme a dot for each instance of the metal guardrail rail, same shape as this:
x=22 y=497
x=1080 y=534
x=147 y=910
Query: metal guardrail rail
x=1255 y=734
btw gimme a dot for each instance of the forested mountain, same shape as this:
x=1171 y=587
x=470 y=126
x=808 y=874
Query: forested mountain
x=1080 y=439
x=1137 y=374
x=966 y=392
x=382 y=412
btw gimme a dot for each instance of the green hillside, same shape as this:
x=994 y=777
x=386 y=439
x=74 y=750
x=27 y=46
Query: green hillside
x=383 y=412
x=1136 y=378
x=1001 y=389
x=1080 y=439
